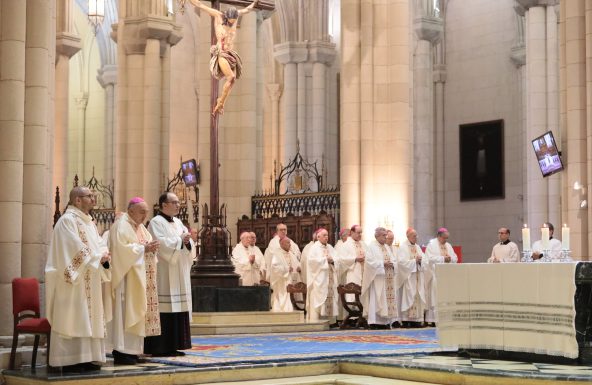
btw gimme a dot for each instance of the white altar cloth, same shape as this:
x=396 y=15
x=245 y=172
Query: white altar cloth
x=520 y=307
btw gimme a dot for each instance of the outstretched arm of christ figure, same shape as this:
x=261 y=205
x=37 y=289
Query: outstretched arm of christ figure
x=211 y=11
x=249 y=8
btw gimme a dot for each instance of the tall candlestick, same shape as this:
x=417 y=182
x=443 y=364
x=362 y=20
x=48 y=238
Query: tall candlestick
x=565 y=237
x=526 y=238
x=545 y=237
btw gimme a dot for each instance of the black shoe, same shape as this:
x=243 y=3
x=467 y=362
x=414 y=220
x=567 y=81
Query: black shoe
x=89 y=367
x=76 y=368
x=81 y=367
x=396 y=325
x=178 y=353
x=120 y=358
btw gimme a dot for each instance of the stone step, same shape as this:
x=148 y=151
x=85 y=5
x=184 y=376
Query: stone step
x=23 y=356
x=259 y=327
x=247 y=318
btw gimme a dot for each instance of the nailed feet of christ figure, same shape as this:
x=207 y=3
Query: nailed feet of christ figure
x=225 y=61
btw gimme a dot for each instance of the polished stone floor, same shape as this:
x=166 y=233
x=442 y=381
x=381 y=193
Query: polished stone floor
x=426 y=368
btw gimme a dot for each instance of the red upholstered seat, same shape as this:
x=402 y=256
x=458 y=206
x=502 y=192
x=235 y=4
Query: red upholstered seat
x=25 y=309
x=34 y=325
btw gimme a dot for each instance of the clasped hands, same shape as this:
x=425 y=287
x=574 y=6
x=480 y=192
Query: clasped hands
x=151 y=247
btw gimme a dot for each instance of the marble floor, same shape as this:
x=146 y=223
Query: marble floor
x=398 y=370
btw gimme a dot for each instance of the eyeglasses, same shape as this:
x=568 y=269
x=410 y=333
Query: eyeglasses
x=174 y=202
x=502 y=232
x=91 y=196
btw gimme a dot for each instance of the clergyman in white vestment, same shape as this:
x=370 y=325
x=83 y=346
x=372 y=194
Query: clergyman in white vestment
x=304 y=256
x=505 y=250
x=77 y=265
x=247 y=263
x=554 y=246
x=173 y=279
x=379 y=312
x=281 y=231
x=133 y=284
x=410 y=281
x=323 y=264
x=285 y=269
x=353 y=254
x=437 y=251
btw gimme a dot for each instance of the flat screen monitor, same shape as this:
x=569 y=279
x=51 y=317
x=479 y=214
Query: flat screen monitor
x=547 y=154
x=190 y=172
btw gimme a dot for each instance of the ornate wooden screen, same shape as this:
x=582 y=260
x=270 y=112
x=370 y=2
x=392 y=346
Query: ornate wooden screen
x=177 y=186
x=299 y=199
x=104 y=210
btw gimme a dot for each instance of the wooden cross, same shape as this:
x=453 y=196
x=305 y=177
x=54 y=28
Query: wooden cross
x=214 y=267
x=214 y=161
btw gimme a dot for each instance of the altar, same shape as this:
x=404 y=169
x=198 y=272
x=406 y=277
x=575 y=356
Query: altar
x=540 y=308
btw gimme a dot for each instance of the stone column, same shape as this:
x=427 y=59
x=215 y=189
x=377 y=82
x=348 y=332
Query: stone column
x=376 y=167
x=274 y=91
x=554 y=183
x=350 y=113
x=575 y=103
x=107 y=77
x=429 y=30
x=12 y=112
x=78 y=142
x=322 y=55
x=36 y=179
x=144 y=36
x=290 y=54
x=67 y=45
x=439 y=78
x=536 y=113
x=150 y=142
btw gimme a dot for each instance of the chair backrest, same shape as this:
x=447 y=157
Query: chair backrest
x=25 y=295
x=297 y=288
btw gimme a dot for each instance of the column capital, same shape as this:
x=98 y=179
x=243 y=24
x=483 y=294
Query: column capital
x=67 y=44
x=429 y=28
x=274 y=90
x=439 y=73
x=81 y=100
x=322 y=51
x=518 y=55
x=139 y=29
x=107 y=75
x=526 y=4
x=291 y=52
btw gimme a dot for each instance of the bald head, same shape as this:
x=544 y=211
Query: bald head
x=411 y=235
x=285 y=243
x=82 y=198
x=245 y=238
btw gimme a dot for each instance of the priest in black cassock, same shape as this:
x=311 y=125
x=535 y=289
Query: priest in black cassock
x=173 y=280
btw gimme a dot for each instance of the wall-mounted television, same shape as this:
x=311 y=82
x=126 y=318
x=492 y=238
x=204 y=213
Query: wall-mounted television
x=547 y=154
x=190 y=172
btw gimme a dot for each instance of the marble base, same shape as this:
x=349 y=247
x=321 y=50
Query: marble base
x=231 y=299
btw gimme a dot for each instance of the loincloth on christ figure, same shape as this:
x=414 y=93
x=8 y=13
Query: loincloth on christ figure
x=232 y=57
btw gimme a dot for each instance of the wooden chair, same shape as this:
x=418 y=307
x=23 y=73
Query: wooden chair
x=354 y=308
x=297 y=288
x=25 y=300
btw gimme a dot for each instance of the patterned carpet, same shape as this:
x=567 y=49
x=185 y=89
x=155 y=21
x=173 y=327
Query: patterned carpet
x=260 y=348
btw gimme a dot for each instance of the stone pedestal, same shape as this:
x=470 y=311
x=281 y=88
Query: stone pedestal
x=230 y=299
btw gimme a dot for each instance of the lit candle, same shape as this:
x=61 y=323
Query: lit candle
x=565 y=237
x=526 y=238
x=545 y=237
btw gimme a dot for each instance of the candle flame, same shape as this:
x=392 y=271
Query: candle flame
x=525 y=226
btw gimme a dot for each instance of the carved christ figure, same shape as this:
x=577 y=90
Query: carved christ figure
x=225 y=61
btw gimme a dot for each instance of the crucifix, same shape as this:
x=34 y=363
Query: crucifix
x=214 y=267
